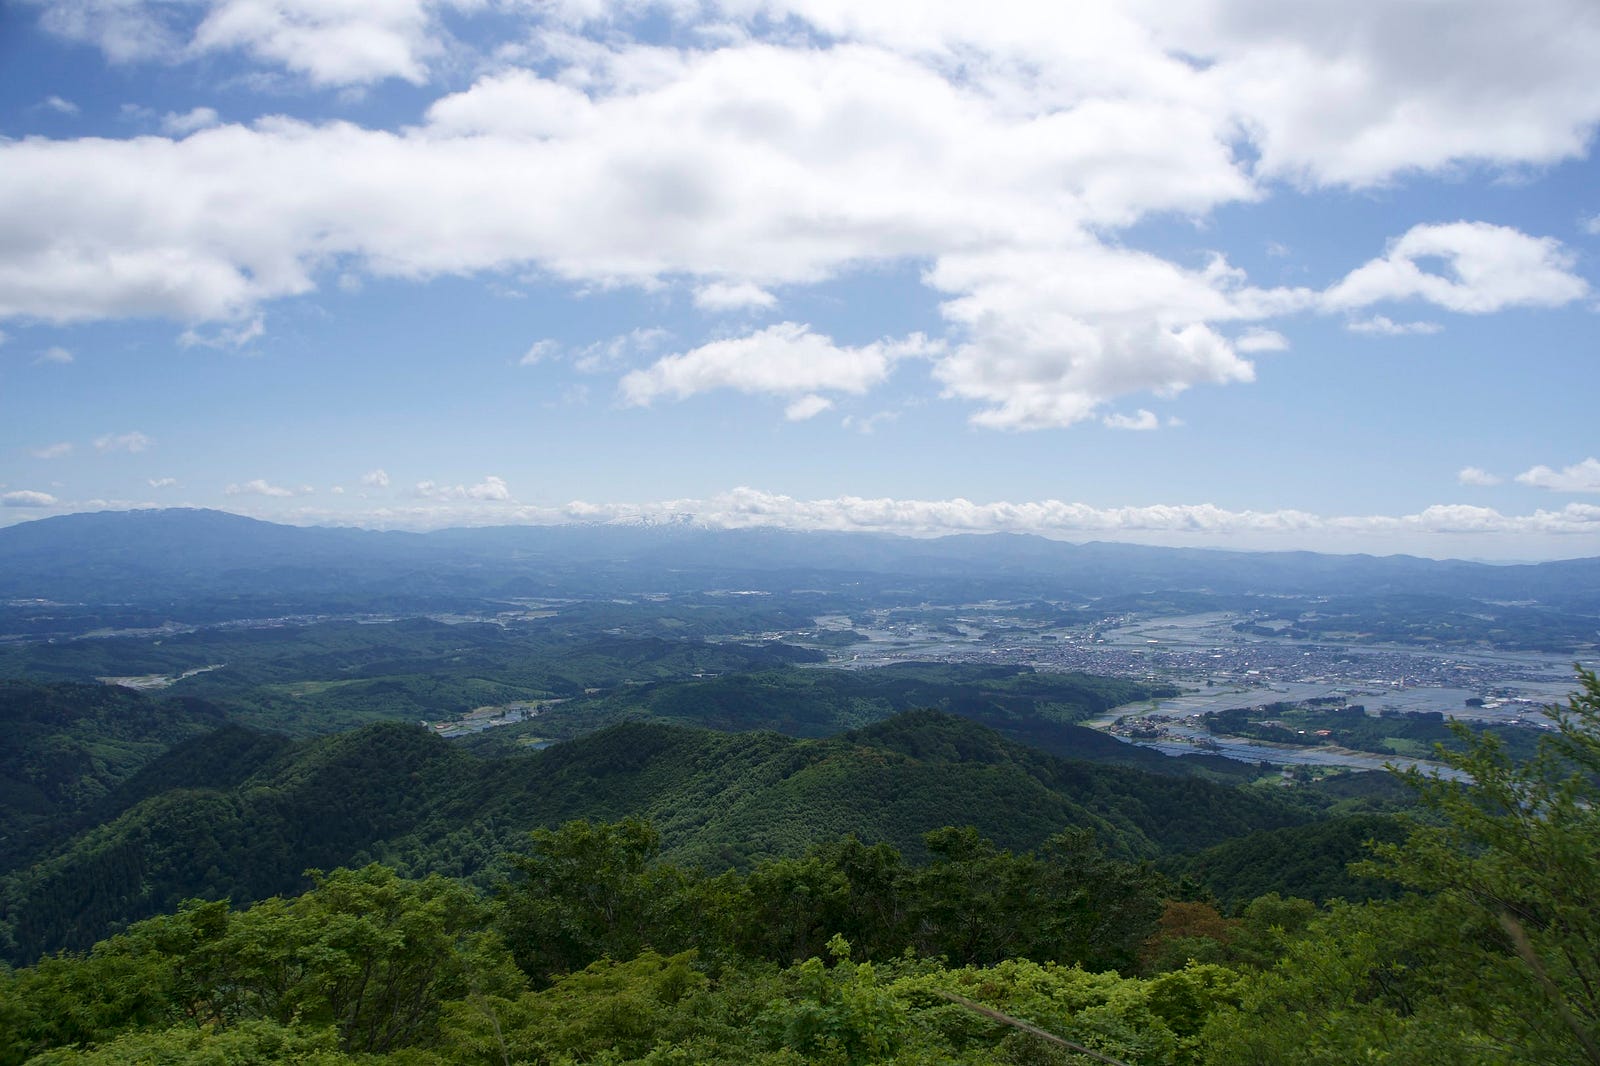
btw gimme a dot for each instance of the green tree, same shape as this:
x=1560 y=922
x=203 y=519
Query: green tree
x=589 y=891
x=1516 y=853
x=1494 y=959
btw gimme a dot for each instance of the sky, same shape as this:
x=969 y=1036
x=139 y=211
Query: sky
x=1218 y=273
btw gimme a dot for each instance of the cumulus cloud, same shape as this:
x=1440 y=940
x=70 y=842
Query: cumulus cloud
x=785 y=359
x=258 y=487
x=234 y=334
x=1472 y=475
x=1579 y=477
x=57 y=354
x=328 y=44
x=1383 y=326
x=490 y=489
x=1143 y=420
x=59 y=105
x=1004 y=146
x=733 y=296
x=805 y=407
x=1349 y=93
x=1442 y=530
x=1355 y=93
x=376 y=479
x=162 y=482
x=1257 y=339
x=27 y=498
x=1054 y=334
x=746 y=508
x=132 y=441
x=52 y=451
x=1485 y=268
x=198 y=118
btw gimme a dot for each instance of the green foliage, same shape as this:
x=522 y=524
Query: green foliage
x=395 y=794
x=1495 y=962
x=256 y=1043
x=1311 y=861
x=67 y=749
x=589 y=891
x=365 y=955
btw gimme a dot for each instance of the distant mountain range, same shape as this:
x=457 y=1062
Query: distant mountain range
x=167 y=556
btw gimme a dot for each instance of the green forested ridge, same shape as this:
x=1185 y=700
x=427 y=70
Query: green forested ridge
x=399 y=794
x=595 y=948
x=67 y=748
x=1308 y=861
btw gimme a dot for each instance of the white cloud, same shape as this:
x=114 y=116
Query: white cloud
x=1053 y=335
x=600 y=355
x=52 y=451
x=733 y=296
x=490 y=489
x=539 y=351
x=124 y=31
x=59 y=105
x=620 y=350
x=808 y=406
x=1591 y=225
x=1257 y=339
x=1383 y=326
x=162 y=482
x=1579 y=477
x=785 y=359
x=376 y=479
x=198 y=118
x=258 y=487
x=229 y=335
x=1354 y=93
x=1348 y=93
x=56 y=354
x=1472 y=475
x=1441 y=531
x=27 y=498
x=869 y=424
x=1143 y=420
x=745 y=508
x=1487 y=268
x=1004 y=145
x=329 y=44
x=133 y=441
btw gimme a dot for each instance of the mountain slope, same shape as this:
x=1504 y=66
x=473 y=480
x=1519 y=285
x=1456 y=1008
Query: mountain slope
x=400 y=795
x=160 y=555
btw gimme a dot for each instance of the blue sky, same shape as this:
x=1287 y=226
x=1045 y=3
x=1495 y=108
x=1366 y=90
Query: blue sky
x=1237 y=274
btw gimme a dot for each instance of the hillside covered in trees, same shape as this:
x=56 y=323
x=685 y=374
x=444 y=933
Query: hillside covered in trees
x=595 y=946
x=237 y=814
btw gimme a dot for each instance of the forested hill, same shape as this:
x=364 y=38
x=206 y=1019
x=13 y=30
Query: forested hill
x=241 y=817
x=67 y=748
